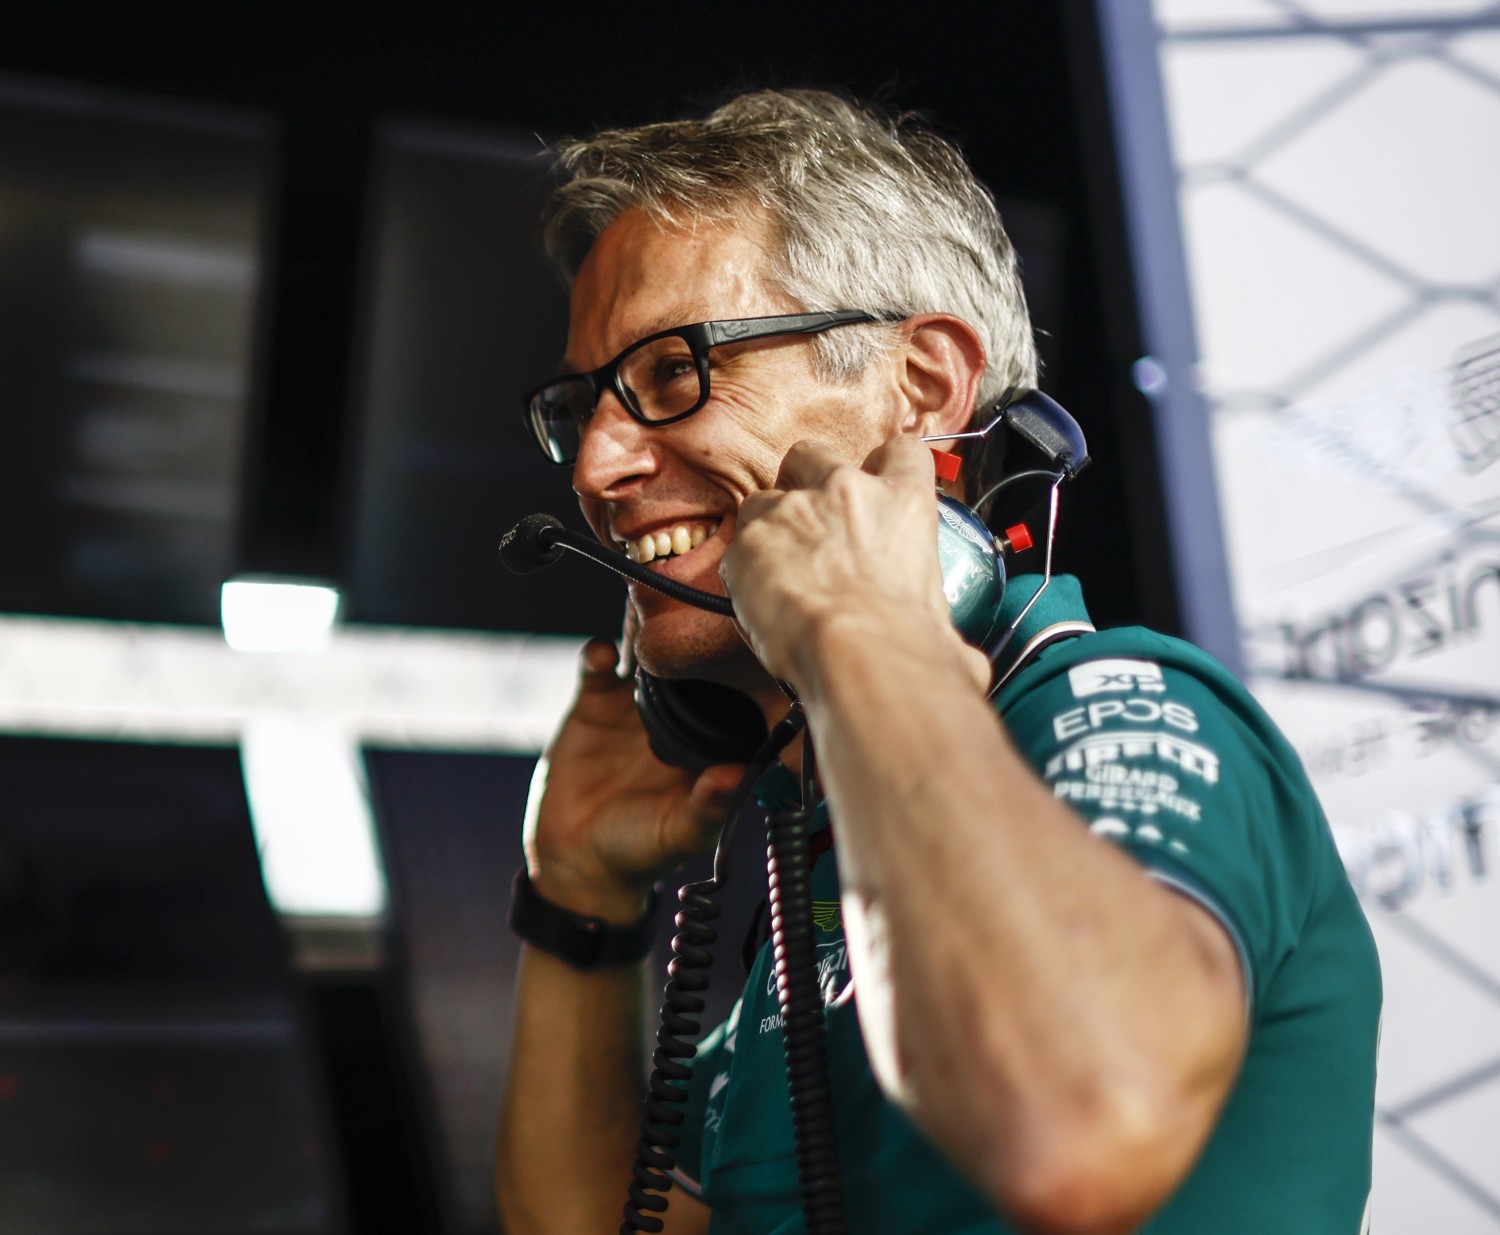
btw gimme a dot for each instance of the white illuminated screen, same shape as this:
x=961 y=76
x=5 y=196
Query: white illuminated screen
x=274 y=615
x=1339 y=188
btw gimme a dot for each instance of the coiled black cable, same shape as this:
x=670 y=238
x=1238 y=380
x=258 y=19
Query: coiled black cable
x=804 y=1033
x=682 y=1002
x=675 y=1041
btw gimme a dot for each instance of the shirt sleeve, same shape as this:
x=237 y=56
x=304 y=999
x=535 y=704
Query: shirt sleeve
x=1187 y=775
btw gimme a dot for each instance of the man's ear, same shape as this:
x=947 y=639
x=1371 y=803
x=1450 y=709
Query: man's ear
x=941 y=362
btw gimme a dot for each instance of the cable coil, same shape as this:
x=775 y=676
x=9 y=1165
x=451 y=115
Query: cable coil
x=682 y=1001
x=804 y=1033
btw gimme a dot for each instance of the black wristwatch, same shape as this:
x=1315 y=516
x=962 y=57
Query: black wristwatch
x=582 y=941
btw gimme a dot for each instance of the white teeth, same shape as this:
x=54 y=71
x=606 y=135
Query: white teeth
x=700 y=534
x=663 y=544
x=681 y=540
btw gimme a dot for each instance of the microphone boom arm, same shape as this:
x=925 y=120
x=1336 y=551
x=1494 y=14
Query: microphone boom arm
x=536 y=540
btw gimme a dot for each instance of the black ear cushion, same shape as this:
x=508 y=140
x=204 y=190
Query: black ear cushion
x=694 y=724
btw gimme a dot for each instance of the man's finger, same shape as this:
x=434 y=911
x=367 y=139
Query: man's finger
x=754 y=505
x=596 y=665
x=627 y=639
x=808 y=464
x=904 y=459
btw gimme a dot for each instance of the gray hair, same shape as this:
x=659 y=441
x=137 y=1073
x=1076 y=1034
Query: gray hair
x=868 y=211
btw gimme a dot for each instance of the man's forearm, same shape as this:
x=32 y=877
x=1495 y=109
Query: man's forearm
x=572 y=1107
x=987 y=926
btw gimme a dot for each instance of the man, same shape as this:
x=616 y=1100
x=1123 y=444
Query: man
x=1107 y=974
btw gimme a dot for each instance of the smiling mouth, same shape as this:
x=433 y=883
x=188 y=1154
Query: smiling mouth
x=668 y=542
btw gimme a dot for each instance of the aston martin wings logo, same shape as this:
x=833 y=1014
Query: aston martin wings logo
x=827 y=915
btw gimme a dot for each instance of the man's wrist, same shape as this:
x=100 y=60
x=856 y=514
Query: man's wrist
x=591 y=897
x=585 y=941
x=856 y=644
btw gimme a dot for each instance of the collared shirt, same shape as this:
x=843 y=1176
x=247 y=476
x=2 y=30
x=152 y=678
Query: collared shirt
x=1158 y=750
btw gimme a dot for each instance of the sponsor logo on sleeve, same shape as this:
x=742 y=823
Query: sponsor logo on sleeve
x=1119 y=787
x=1099 y=741
x=1090 y=716
x=1101 y=748
x=1099 y=677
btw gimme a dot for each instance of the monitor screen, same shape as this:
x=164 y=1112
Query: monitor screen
x=130 y=234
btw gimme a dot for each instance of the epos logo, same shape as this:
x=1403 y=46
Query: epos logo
x=1102 y=676
x=1085 y=717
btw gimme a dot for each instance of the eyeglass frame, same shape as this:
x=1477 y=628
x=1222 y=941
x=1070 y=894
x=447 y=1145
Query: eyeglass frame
x=700 y=337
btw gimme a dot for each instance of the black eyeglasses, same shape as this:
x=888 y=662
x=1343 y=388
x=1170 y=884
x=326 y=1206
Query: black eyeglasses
x=660 y=379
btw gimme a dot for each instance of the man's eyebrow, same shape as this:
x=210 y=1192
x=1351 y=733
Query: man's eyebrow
x=688 y=316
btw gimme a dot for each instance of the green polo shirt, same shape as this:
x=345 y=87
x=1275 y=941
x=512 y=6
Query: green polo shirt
x=1161 y=751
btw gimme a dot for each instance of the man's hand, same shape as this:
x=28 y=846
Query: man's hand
x=838 y=548
x=606 y=819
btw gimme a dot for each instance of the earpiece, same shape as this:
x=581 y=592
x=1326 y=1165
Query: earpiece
x=694 y=724
x=973 y=571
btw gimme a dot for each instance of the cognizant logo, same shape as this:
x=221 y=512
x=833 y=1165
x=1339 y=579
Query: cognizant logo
x=1414 y=618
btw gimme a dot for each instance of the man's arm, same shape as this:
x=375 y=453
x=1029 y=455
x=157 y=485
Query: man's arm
x=1064 y=1027
x=572 y=1108
x=572 y=1104
x=605 y=820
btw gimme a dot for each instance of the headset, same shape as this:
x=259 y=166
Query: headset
x=696 y=724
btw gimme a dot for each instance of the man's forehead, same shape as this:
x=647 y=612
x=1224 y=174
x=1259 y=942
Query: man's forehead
x=669 y=319
x=644 y=276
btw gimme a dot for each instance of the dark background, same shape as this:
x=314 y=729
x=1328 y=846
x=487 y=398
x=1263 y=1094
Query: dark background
x=384 y=449
x=1016 y=84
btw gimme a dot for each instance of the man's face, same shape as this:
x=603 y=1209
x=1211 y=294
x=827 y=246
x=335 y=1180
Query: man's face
x=635 y=481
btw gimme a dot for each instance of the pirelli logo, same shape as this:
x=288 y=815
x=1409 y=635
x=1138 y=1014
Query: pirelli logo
x=1101 y=748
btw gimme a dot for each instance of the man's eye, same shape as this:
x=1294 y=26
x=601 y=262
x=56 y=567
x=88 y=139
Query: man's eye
x=671 y=369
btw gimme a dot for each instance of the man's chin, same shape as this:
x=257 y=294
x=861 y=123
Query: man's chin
x=679 y=642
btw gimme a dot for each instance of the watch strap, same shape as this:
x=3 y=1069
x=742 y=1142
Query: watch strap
x=584 y=942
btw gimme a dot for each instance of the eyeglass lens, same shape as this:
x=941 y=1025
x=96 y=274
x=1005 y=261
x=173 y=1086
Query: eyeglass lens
x=660 y=378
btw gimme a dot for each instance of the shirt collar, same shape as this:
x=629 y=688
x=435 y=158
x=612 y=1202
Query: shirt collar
x=1060 y=605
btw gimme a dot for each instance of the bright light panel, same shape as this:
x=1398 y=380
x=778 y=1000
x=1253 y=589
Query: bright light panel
x=266 y=615
x=309 y=804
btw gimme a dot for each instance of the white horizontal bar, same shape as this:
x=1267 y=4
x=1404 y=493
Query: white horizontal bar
x=385 y=686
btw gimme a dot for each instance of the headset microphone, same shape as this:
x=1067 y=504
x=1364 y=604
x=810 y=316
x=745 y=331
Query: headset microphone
x=530 y=545
x=539 y=540
x=969 y=555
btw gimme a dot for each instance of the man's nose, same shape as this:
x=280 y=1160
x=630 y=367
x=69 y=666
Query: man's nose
x=614 y=451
